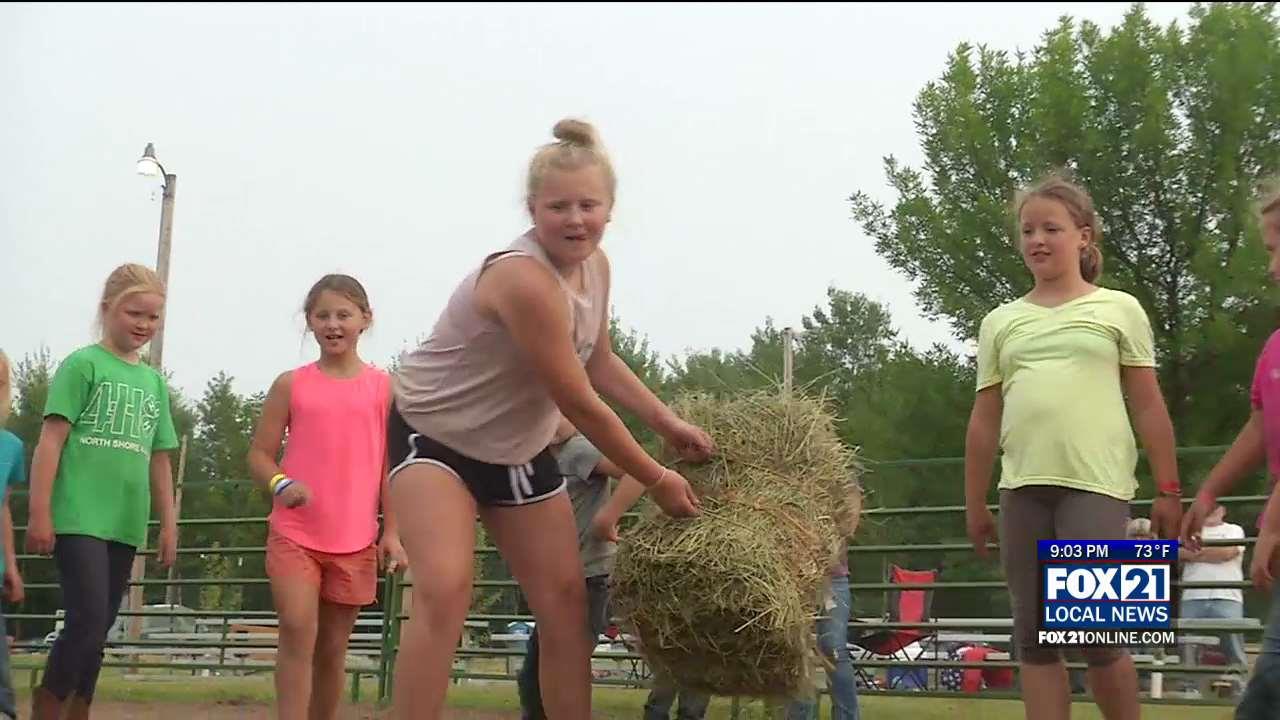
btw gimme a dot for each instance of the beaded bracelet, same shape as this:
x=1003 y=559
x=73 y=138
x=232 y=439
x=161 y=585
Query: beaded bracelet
x=278 y=483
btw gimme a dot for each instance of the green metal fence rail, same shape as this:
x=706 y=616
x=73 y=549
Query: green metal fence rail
x=386 y=621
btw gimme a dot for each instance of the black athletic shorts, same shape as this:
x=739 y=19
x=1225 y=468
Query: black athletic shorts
x=489 y=484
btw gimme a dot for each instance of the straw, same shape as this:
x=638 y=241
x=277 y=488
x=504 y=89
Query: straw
x=724 y=603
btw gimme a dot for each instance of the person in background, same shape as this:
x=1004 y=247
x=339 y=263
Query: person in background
x=665 y=693
x=833 y=631
x=1256 y=446
x=12 y=472
x=587 y=473
x=1216 y=564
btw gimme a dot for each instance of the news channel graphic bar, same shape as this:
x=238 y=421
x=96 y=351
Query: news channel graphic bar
x=1106 y=585
x=1156 y=551
x=1106 y=638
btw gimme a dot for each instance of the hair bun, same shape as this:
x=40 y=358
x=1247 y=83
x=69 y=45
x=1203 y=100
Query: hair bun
x=576 y=132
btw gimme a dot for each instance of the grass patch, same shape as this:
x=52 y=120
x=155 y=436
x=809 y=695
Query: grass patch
x=628 y=704
x=500 y=698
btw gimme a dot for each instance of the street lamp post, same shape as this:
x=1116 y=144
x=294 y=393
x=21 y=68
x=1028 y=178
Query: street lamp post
x=148 y=165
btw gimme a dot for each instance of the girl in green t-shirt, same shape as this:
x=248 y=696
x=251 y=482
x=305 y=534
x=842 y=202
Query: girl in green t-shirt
x=1060 y=372
x=101 y=460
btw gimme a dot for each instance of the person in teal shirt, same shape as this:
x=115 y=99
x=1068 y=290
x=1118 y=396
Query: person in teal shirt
x=13 y=471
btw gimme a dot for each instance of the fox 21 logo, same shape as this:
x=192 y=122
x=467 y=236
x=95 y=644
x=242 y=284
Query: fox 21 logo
x=1119 y=583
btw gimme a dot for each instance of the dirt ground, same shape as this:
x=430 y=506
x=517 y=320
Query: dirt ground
x=248 y=711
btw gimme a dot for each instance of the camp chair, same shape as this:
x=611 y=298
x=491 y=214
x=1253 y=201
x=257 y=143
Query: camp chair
x=898 y=644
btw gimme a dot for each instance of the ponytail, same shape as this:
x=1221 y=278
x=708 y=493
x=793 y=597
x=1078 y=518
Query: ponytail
x=1090 y=262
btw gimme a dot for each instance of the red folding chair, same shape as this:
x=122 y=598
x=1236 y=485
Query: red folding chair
x=906 y=606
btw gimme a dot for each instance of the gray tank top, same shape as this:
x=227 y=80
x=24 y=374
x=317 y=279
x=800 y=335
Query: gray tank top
x=470 y=387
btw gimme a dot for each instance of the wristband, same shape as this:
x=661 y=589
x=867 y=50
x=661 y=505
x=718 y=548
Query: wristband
x=282 y=486
x=1169 y=490
x=275 y=480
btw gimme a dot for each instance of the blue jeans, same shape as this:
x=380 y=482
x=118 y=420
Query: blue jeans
x=693 y=705
x=8 y=704
x=1262 y=696
x=1231 y=643
x=833 y=640
x=597 y=620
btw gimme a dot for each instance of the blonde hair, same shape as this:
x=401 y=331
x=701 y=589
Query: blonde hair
x=6 y=388
x=1079 y=206
x=1137 y=527
x=128 y=279
x=577 y=145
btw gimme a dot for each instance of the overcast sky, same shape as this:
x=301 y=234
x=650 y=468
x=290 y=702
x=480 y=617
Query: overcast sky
x=390 y=142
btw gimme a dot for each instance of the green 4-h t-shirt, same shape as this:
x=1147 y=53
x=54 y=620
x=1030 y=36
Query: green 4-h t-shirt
x=119 y=414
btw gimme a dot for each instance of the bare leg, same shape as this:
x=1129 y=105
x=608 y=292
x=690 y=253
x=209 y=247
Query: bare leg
x=329 y=667
x=1045 y=692
x=437 y=527
x=296 y=601
x=550 y=574
x=1115 y=688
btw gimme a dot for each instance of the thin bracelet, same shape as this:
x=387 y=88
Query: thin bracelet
x=282 y=486
x=275 y=480
x=661 y=477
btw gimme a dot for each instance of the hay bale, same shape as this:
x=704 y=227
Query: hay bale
x=725 y=603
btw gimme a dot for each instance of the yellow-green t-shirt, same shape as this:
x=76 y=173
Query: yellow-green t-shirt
x=1065 y=422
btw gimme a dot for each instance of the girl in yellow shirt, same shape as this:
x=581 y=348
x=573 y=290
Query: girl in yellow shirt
x=1055 y=368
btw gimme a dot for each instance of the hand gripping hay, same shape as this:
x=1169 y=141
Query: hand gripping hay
x=725 y=603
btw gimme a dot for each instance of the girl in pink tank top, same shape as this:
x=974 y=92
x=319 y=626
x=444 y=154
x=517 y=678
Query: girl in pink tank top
x=323 y=551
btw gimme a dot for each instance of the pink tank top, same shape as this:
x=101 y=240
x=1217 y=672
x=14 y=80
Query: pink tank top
x=470 y=387
x=336 y=446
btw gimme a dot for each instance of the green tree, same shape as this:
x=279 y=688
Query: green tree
x=1170 y=128
x=720 y=372
x=218 y=486
x=633 y=348
x=218 y=566
x=223 y=433
x=893 y=402
x=853 y=335
x=713 y=371
x=30 y=381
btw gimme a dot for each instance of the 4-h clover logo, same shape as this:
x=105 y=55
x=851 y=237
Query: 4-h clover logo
x=150 y=414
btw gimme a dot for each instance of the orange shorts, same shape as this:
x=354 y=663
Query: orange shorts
x=350 y=579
